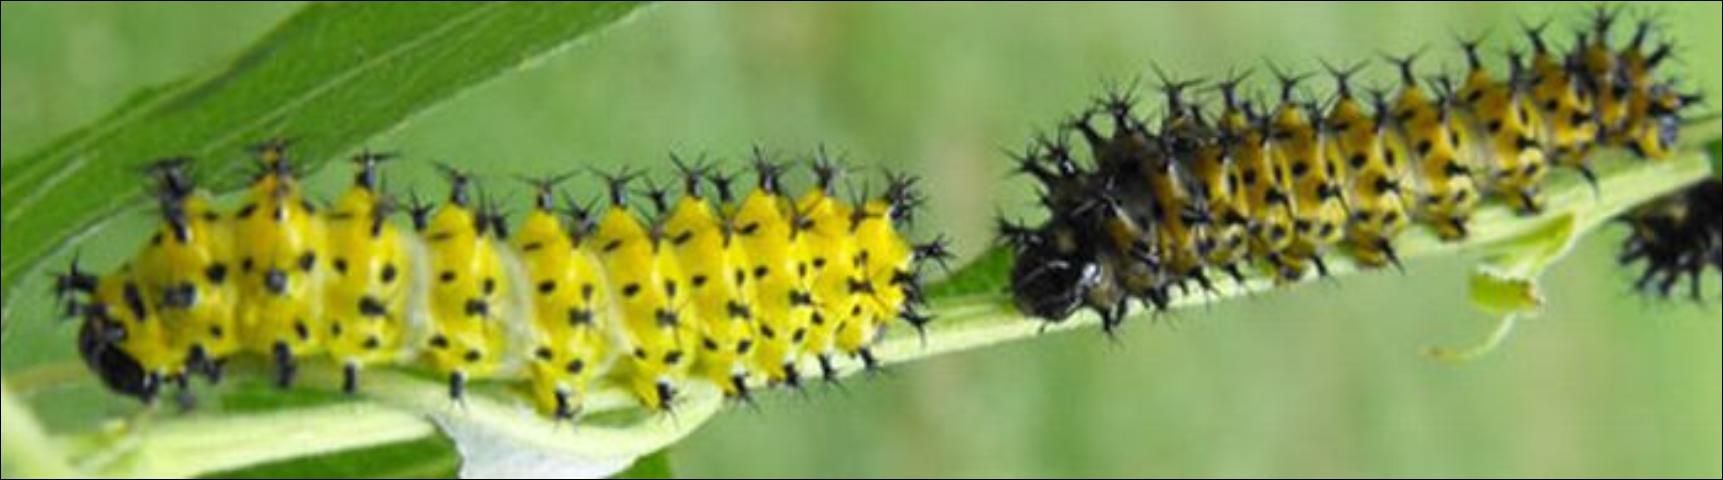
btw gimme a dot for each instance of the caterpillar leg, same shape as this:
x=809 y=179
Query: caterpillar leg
x=286 y=367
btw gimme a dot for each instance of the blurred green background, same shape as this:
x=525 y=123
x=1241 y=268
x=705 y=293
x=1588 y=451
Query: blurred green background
x=1324 y=379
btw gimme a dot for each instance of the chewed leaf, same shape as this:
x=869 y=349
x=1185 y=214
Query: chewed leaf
x=1505 y=284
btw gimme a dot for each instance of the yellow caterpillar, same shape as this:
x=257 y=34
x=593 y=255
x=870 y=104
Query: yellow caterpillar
x=736 y=293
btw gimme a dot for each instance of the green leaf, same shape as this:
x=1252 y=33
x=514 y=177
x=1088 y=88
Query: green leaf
x=430 y=457
x=329 y=77
x=656 y=465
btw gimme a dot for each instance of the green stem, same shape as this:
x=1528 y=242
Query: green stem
x=25 y=449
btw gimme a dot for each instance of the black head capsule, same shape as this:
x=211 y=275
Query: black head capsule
x=1048 y=281
x=98 y=344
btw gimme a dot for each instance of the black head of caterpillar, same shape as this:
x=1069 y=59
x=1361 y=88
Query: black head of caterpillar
x=737 y=288
x=1675 y=236
x=1162 y=203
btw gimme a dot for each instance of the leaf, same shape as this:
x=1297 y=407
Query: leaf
x=656 y=465
x=430 y=457
x=330 y=77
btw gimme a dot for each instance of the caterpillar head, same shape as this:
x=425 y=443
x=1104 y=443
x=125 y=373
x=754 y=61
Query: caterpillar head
x=1052 y=277
x=99 y=344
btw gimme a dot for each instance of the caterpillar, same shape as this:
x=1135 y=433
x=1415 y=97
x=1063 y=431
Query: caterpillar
x=1675 y=236
x=1164 y=204
x=736 y=290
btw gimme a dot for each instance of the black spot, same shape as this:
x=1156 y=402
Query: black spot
x=1494 y=126
x=302 y=331
x=683 y=237
x=1455 y=169
x=532 y=246
x=1250 y=176
x=335 y=328
x=215 y=331
x=247 y=210
x=819 y=262
x=156 y=239
x=307 y=261
x=1357 y=161
x=1424 y=147
x=630 y=290
x=389 y=272
x=370 y=306
x=543 y=353
x=699 y=281
x=179 y=296
x=275 y=281
x=709 y=343
x=744 y=346
x=800 y=334
x=579 y=316
x=612 y=245
x=478 y=307
x=766 y=331
x=546 y=287
x=639 y=353
x=1300 y=168
x=490 y=285
x=750 y=228
x=673 y=357
x=670 y=288
x=216 y=273
x=473 y=355
x=1550 y=104
x=447 y=276
x=245 y=265
x=372 y=343
x=586 y=290
x=760 y=272
x=340 y=265
x=738 y=310
x=575 y=366
x=439 y=341
x=1277 y=232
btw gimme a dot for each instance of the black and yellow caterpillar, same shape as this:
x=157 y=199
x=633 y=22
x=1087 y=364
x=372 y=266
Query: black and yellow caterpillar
x=717 y=288
x=1163 y=204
